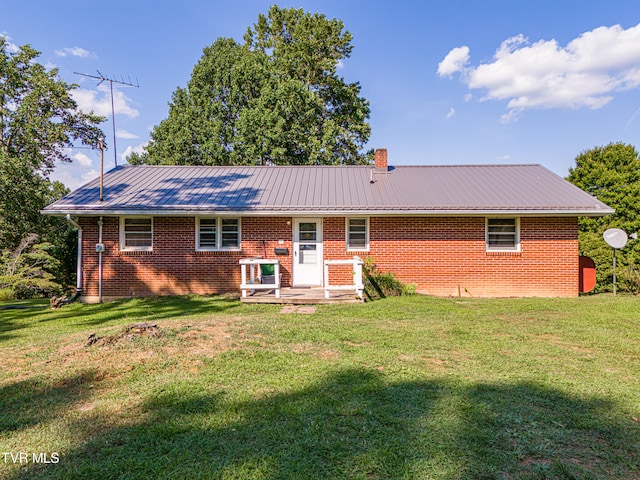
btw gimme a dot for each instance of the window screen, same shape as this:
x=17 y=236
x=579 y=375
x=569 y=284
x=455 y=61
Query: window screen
x=137 y=233
x=357 y=235
x=502 y=234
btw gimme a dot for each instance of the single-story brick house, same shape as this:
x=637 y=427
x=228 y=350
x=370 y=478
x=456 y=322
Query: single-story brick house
x=481 y=230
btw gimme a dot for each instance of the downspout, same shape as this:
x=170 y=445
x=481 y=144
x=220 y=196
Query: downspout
x=100 y=261
x=79 y=259
x=101 y=145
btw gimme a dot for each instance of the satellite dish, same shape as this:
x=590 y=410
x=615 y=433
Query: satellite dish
x=615 y=238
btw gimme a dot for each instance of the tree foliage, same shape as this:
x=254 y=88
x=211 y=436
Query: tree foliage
x=26 y=272
x=38 y=117
x=39 y=121
x=275 y=99
x=611 y=173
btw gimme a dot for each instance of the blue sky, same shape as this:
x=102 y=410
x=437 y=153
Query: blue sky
x=449 y=82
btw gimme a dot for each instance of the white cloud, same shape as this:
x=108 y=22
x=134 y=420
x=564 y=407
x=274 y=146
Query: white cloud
x=129 y=150
x=79 y=171
x=73 y=175
x=585 y=73
x=82 y=159
x=504 y=158
x=75 y=52
x=99 y=101
x=9 y=45
x=125 y=135
x=511 y=116
x=468 y=97
x=451 y=113
x=454 y=62
x=88 y=176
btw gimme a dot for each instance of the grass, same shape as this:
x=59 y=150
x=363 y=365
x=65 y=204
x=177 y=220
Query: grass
x=407 y=387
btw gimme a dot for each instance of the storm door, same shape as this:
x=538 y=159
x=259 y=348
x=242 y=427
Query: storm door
x=307 y=252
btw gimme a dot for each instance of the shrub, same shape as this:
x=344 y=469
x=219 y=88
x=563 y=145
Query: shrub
x=26 y=271
x=7 y=294
x=379 y=284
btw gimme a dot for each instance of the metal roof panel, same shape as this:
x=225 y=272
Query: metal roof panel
x=454 y=188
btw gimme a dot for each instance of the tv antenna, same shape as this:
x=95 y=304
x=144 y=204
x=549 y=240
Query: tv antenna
x=101 y=79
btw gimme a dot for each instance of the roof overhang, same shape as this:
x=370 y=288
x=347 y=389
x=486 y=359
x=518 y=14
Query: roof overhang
x=301 y=212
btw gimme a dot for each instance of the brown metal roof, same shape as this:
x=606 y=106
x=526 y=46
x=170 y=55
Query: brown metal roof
x=419 y=190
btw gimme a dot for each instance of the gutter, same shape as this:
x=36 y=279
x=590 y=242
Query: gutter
x=329 y=212
x=79 y=259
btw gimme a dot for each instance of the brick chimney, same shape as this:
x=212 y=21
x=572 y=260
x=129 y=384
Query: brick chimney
x=380 y=160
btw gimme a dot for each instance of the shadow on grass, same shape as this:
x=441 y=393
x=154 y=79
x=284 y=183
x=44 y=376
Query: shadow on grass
x=133 y=310
x=30 y=402
x=354 y=424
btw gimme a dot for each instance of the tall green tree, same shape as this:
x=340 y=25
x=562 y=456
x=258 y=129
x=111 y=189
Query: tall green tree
x=26 y=271
x=39 y=121
x=277 y=98
x=611 y=173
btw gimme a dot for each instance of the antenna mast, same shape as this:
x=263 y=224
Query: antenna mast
x=102 y=78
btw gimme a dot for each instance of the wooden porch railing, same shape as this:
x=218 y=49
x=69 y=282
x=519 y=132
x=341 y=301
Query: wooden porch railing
x=358 y=284
x=255 y=276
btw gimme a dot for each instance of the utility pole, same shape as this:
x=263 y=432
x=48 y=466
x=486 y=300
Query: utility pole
x=102 y=78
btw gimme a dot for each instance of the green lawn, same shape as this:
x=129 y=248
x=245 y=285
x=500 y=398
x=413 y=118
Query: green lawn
x=409 y=387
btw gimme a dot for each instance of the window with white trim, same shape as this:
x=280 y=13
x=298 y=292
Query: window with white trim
x=208 y=233
x=217 y=233
x=357 y=234
x=136 y=233
x=503 y=234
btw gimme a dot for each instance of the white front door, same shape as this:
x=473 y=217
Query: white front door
x=307 y=252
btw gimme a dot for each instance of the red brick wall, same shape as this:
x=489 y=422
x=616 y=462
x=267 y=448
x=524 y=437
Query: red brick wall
x=174 y=267
x=451 y=258
x=448 y=257
x=442 y=256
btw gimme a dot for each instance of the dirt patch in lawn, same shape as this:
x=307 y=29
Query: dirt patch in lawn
x=128 y=334
x=313 y=349
x=564 y=344
x=207 y=340
x=436 y=361
x=116 y=352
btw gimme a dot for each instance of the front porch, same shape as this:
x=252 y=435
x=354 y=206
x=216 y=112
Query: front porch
x=259 y=287
x=301 y=296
